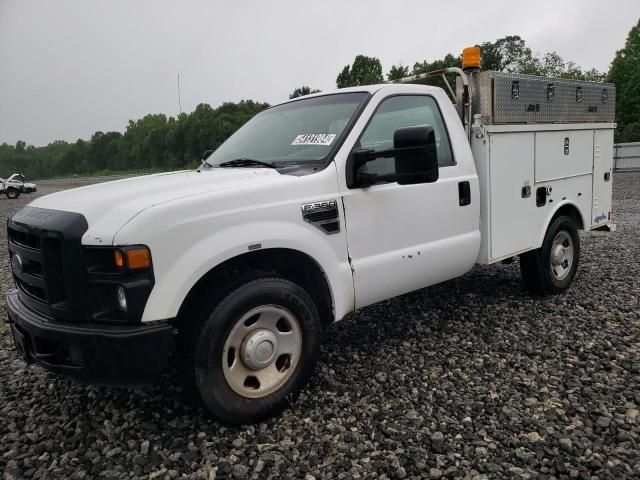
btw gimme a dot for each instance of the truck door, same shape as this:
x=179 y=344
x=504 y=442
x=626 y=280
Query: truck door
x=405 y=237
x=602 y=176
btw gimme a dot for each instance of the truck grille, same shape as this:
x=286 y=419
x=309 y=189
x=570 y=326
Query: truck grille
x=38 y=290
x=46 y=263
x=24 y=239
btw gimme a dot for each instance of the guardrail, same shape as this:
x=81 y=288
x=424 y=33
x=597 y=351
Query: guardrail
x=626 y=157
x=87 y=180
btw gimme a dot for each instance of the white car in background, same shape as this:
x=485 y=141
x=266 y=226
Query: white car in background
x=15 y=185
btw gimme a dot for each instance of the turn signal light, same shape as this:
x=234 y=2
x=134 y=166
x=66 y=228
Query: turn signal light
x=118 y=258
x=136 y=258
x=471 y=58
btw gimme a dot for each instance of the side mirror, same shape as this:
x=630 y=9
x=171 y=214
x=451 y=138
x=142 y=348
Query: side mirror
x=415 y=159
x=207 y=154
x=417 y=156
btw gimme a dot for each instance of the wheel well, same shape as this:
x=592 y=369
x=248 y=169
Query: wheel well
x=293 y=265
x=570 y=211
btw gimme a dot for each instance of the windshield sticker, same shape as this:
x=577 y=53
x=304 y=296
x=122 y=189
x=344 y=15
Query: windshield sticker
x=314 y=139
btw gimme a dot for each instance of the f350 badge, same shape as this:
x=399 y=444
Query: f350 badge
x=324 y=215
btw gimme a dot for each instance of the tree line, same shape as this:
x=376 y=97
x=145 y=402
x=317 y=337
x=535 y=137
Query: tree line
x=154 y=142
x=157 y=142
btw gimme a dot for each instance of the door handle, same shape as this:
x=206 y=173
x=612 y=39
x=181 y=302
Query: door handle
x=464 y=193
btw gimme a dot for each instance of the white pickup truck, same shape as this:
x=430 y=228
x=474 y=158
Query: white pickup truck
x=314 y=208
x=15 y=185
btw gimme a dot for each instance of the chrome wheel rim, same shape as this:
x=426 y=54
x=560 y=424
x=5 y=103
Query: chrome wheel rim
x=262 y=351
x=562 y=251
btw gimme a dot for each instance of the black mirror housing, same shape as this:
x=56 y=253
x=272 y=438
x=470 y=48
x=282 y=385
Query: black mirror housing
x=415 y=155
x=207 y=154
x=416 y=158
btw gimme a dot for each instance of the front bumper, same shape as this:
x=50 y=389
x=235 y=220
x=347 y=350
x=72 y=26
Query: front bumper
x=101 y=354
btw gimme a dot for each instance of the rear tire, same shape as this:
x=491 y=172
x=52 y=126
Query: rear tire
x=12 y=193
x=552 y=267
x=248 y=355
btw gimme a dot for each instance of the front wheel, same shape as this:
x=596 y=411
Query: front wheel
x=552 y=267
x=12 y=193
x=253 y=351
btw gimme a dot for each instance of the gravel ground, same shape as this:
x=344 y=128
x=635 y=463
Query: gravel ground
x=468 y=379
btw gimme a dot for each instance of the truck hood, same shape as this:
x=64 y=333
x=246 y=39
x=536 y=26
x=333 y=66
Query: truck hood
x=16 y=183
x=108 y=206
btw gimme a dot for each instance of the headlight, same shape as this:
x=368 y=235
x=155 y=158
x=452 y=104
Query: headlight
x=120 y=280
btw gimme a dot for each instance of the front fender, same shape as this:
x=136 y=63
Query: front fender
x=178 y=270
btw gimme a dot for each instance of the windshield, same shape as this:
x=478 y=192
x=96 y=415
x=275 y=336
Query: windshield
x=301 y=131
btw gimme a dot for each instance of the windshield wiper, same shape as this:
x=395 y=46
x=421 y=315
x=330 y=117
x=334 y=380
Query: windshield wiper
x=247 y=162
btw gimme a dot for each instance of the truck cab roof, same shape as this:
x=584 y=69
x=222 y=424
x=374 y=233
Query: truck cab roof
x=370 y=89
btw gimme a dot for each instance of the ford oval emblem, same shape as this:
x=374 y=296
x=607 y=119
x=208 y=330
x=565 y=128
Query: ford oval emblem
x=16 y=263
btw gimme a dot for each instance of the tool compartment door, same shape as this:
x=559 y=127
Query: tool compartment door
x=602 y=176
x=512 y=168
x=563 y=154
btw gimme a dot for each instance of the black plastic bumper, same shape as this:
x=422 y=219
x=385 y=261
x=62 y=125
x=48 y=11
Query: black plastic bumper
x=102 y=354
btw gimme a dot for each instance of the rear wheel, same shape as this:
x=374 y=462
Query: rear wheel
x=12 y=193
x=252 y=351
x=552 y=267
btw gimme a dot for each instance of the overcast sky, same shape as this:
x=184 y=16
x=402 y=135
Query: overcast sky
x=71 y=67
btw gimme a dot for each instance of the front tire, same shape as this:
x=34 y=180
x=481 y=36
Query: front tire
x=12 y=193
x=552 y=267
x=252 y=351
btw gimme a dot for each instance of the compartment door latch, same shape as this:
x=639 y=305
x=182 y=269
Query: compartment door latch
x=541 y=196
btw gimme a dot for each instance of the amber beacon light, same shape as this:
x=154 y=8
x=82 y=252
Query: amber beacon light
x=471 y=58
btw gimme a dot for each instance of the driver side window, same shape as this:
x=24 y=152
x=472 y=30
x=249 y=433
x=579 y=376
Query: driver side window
x=398 y=112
